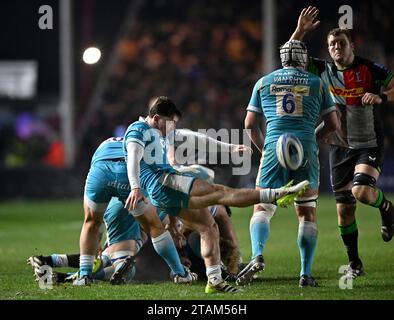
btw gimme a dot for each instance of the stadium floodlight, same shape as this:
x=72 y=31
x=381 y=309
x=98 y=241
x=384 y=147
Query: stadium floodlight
x=91 y=55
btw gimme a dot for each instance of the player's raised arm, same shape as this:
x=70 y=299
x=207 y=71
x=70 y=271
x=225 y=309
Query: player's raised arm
x=305 y=23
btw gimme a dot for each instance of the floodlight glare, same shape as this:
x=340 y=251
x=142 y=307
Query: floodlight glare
x=91 y=55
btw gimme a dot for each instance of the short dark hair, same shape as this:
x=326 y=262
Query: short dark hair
x=163 y=106
x=338 y=31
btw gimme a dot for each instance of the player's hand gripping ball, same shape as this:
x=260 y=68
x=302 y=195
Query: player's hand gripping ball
x=289 y=151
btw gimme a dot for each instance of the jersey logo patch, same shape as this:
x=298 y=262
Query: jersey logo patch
x=347 y=93
x=289 y=99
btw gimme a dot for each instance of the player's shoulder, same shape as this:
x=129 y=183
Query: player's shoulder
x=318 y=66
x=268 y=78
x=313 y=77
x=139 y=125
x=112 y=141
x=369 y=63
x=363 y=61
x=258 y=84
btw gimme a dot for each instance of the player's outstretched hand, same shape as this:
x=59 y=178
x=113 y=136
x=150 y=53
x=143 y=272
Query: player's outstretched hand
x=370 y=98
x=241 y=148
x=305 y=20
x=134 y=197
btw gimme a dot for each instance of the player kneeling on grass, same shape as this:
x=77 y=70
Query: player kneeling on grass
x=291 y=100
x=183 y=195
x=116 y=263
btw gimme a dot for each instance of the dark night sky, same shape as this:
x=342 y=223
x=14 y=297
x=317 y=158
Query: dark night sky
x=21 y=38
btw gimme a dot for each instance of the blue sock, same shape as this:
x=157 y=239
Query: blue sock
x=307 y=240
x=85 y=265
x=259 y=232
x=165 y=247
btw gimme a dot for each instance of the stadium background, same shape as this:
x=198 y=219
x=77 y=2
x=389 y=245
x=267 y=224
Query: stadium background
x=206 y=55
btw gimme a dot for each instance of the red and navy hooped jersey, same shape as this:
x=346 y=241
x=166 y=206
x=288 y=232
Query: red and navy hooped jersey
x=360 y=125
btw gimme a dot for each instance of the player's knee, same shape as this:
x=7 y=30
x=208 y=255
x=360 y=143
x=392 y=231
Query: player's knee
x=306 y=208
x=361 y=193
x=93 y=219
x=345 y=197
x=264 y=212
x=363 y=187
x=209 y=229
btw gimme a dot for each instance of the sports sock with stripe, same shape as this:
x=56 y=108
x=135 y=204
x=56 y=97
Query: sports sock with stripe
x=85 y=265
x=349 y=236
x=259 y=231
x=307 y=240
x=165 y=247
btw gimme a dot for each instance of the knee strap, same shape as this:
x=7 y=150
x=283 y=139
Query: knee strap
x=362 y=179
x=345 y=197
x=306 y=201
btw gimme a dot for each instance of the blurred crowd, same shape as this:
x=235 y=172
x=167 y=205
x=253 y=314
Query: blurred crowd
x=205 y=56
x=30 y=139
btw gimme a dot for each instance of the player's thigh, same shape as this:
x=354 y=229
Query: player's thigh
x=125 y=245
x=197 y=219
x=119 y=186
x=342 y=165
x=270 y=173
x=201 y=188
x=173 y=190
x=97 y=194
x=150 y=221
x=310 y=167
x=370 y=161
x=121 y=226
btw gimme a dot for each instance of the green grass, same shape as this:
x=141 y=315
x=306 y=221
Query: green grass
x=30 y=227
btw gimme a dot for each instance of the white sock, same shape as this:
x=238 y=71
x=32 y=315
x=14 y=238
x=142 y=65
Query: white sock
x=85 y=265
x=214 y=274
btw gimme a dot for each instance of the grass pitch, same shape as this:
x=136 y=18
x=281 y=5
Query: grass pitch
x=31 y=227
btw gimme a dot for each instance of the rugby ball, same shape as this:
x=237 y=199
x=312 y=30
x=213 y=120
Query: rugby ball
x=289 y=151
